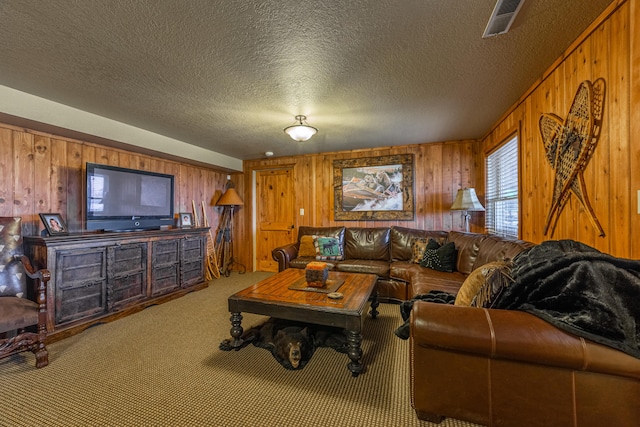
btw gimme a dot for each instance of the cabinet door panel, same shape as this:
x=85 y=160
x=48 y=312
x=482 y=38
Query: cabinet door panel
x=74 y=266
x=165 y=267
x=81 y=280
x=80 y=301
x=165 y=279
x=192 y=273
x=127 y=271
x=166 y=252
x=191 y=261
x=126 y=289
x=127 y=258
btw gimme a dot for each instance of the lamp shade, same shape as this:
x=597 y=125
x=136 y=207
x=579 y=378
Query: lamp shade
x=467 y=200
x=230 y=198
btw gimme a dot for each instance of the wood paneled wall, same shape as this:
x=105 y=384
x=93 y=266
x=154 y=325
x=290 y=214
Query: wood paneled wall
x=45 y=173
x=609 y=49
x=440 y=169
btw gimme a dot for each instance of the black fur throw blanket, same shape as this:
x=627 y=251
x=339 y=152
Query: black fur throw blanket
x=438 y=297
x=580 y=290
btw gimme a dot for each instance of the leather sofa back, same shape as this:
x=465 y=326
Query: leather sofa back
x=337 y=232
x=468 y=246
x=401 y=239
x=494 y=248
x=367 y=243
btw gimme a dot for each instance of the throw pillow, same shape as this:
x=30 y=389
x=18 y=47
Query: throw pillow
x=480 y=282
x=498 y=279
x=417 y=250
x=307 y=247
x=433 y=244
x=328 y=248
x=442 y=259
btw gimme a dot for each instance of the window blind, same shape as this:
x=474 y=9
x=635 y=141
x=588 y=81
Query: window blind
x=502 y=190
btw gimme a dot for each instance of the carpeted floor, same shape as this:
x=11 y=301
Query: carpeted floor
x=162 y=367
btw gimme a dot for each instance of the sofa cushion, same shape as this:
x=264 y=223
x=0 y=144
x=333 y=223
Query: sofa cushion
x=425 y=280
x=402 y=237
x=468 y=246
x=367 y=243
x=328 y=248
x=17 y=313
x=307 y=246
x=404 y=270
x=442 y=258
x=380 y=268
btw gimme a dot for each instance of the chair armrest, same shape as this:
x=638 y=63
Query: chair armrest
x=512 y=335
x=40 y=277
x=284 y=254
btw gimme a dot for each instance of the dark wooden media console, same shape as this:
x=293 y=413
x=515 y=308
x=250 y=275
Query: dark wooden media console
x=99 y=277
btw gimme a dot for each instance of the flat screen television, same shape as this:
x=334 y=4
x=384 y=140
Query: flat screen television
x=121 y=199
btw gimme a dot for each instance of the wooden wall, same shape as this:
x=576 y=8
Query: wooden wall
x=609 y=49
x=45 y=173
x=440 y=169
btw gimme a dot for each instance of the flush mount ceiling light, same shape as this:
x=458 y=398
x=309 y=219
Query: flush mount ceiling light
x=300 y=131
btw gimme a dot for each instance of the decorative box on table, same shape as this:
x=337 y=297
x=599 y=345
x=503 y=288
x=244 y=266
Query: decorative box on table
x=316 y=274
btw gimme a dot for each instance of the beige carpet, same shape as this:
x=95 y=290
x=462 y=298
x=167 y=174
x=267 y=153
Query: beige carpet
x=162 y=367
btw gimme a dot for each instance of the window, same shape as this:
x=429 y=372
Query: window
x=502 y=190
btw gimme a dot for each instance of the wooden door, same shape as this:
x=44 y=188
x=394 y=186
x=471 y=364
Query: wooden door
x=275 y=216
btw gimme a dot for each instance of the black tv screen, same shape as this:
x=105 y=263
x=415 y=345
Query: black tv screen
x=121 y=199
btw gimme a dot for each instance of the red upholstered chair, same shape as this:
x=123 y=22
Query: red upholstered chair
x=23 y=309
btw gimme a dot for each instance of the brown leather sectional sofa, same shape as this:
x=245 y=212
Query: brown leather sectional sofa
x=511 y=368
x=488 y=366
x=386 y=251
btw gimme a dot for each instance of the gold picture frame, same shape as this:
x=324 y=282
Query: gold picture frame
x=374 y=188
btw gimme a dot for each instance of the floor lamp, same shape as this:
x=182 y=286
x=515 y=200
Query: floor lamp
x=467 y=201
x=224 y=237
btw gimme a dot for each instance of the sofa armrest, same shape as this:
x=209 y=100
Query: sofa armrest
x=512 y=335
x=284 y=254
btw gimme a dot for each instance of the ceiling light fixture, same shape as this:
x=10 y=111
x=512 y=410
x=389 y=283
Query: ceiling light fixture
x=300 y=131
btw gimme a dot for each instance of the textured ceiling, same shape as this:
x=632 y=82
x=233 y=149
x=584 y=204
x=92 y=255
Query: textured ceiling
x=229 y=75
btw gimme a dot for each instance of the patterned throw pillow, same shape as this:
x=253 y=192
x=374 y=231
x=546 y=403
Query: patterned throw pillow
x=418 y=246
x=498 y=278
x=417 y=250
x=328 y=248
x=307 y=247
x=442 y=259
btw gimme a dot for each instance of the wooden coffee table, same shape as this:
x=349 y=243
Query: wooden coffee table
x=272 y=297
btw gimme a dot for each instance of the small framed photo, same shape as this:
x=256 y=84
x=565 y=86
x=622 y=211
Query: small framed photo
x=54 y=224
x=185 y=220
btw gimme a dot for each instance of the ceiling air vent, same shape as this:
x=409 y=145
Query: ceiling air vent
x=502 y=17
